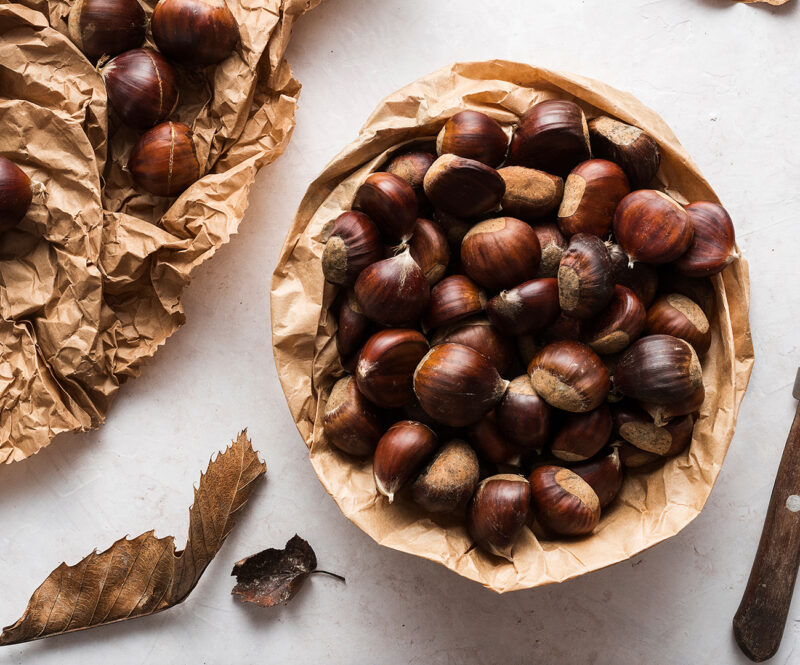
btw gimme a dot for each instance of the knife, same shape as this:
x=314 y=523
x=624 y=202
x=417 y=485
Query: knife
x=759 y=621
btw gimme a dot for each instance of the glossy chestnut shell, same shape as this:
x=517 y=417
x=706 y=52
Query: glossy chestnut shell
x=585 y=277
x=106 y=27
x=400 y=454
x=714 y=243
x=618 y=325
x=391 y=203
x=592 y=193
x=500 y=253
x=523 y=416
x=525 y=309
x=164 y=160
x=353 y=244
x=677 y=315
x=498 y=512
x=454 y=298
x=478 y=334
x=463 y=188
x=449 y=480
x=582 y=435
x=570 y=376
x=563 y=501
x=634 y=150
x=473 y=135
x=349 y=421
x=386 y=365
x=430 y=249
x=15 y=194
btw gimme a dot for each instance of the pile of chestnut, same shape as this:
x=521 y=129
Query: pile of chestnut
x=522 y=322
x=142 y=85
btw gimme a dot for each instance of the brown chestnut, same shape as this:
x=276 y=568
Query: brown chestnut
x=490 y=443
x=638 y=429
x=501 y=253
x=454 y=230
x=164 y=160
x=412 y=167
x=390 y=202
x=677 y=315
x=640 y=278
x=16 y=194
x=353 y=327
x=473 y=135
x=582 y=435
x=530 y=194
x=456 y=385
x=353 y=244
x=449 y=480
x=592 y=193
x=634 y=150
x=430 y=249
x=106 y=27
x=523 y=416
x=553 y=244
x=635 y=458
x=349 y=421
x=618 y=325
x=563 y=501
x=552 y=136
x=195 y=33
x=386 y=365
x=564 y=327
x=400 y=454
x=142 y=87
x=498 y=512
x=570 y=376
x=525 y=309
x=651 y=227
x=463 y=187
x=698 y=289
x=393 y=292
x=714 y=244
x=663 y=413
x=585 y=278
x=603 y=474
x=659 y=369
x=453 y=299
x=477 y=333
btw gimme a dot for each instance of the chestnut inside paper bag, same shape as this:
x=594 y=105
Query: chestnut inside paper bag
x=651 y=506
x=92 y=278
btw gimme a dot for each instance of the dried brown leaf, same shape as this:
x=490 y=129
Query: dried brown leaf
x=274 y=576
x=145 y=575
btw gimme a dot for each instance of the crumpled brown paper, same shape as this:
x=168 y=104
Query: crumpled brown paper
x=92 y=280
x=651 y=507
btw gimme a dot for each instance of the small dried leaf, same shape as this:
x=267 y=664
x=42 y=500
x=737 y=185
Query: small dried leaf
x=274 y=576
x=145 y=575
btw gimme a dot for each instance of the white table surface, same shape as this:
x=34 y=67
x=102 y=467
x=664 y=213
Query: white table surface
x=724 y=76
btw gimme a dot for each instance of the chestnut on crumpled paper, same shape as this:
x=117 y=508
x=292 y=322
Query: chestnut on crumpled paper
x=90 y=284
x=651 y=506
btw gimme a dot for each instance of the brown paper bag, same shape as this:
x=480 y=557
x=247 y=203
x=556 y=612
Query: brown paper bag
x=92 y=279
x=651 y=506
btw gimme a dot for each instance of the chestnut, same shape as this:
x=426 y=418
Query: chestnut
x=412 y=167
x=454 y=229
x=393 y=292
x=603 y=474
x=553 y=245
x=552 y=136
x=456 y=385
x=698 y=289
x=570 y=376
x=473 y=135
x=563 y=501
x=195 y=33
x=582 y=435
x=592 y=193
x=353 y=327
x=390 y=202
x=490 y=443
x=106 y=27
x=640 y=278
x=454 y=298
x=498 y=512
x=501 y=253
x=651 y=227
x=677 y=315
x=16 y=194
x=564 y=327
x=523 y=416
x=638 y=429
x=634 y=150
x=142 y=87
x=477 y=333
x=663 y=413
x=349 y=421
x=430 y=249
x=353 y=244
x=400 y=454
x=386 y=365
x=525 y=309
x=659 y=369
x=618 y=325
x=530 y=194
x=714 y=244
x=449 y=480
x=463 y=187
x=635 y=458
x=585 y=278
x=164 y=160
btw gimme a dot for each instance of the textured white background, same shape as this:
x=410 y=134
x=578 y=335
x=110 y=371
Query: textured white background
x=724 y=76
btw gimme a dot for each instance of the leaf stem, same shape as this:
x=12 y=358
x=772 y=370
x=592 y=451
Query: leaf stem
x=327 y=572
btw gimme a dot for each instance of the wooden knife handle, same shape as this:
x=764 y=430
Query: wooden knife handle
x=760 y=619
